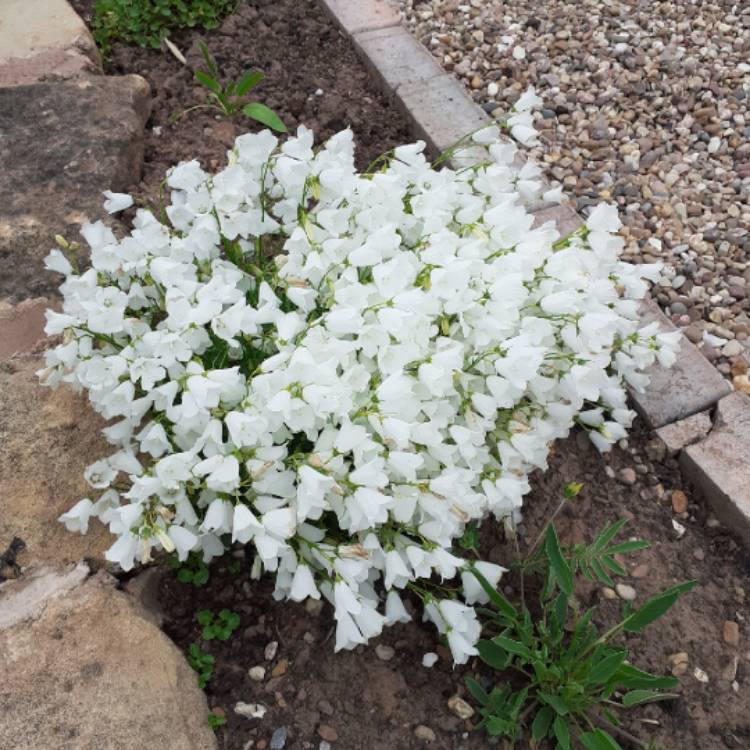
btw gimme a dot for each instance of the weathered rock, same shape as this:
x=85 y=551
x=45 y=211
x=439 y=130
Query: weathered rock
x=44 y=40
x=679 y=435
x=62 y=144
x=47 y=438
x=22 y=326
x=83 y=669
x=720 y=464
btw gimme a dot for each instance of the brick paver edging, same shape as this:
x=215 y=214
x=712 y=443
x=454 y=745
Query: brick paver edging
x=690 y=406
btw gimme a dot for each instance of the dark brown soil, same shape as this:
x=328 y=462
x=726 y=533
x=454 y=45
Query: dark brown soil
x=313 y=77
x=376 y=705
x=362 y=701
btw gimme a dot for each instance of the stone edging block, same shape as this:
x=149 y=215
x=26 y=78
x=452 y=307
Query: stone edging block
x=678 y=402
x=719 y=464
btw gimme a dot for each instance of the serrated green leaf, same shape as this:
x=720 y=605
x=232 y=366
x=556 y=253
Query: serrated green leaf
x=625 y=547
x=264 y=115
x=558 y=565
x=655 y=607
x=608 y=535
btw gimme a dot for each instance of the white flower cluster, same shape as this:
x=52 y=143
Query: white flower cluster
x=342 y=369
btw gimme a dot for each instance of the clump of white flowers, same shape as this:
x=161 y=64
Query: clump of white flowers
x=343 y=370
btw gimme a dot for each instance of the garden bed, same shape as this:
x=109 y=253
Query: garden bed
x=384 y=698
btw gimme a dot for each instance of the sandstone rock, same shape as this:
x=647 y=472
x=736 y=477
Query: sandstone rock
x=62 y=144
x=47 y=438
x=22 y=326
x=684 y=432
x=44 y=40
x=85 y=670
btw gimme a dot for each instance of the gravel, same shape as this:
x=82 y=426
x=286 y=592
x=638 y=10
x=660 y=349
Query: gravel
x=646 y=104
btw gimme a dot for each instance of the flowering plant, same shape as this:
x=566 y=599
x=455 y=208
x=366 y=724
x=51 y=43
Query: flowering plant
x=344 y=369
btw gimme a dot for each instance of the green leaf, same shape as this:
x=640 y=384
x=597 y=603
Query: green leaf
x=599 y=740
x=200 y=577
x=248 y=81
x=562 y=732
x=496 y=657
x=264 y=115
x=557 y=561
x=608 y=535
x=208 y=81
x=184 y=575
x=560 y=706
x=477 y=691
x=542 y=721
x=631 y=677
x=606 y=667
x=514 y=647
x=204 y=617
x=633 y=546
x=636 y=697
x=208 y=633
x=501 y=603
x=655 y=607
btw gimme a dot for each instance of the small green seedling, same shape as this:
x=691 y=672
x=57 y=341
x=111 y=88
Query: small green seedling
x=193 y=570
x=202 y=663
x=147 y=22
x=219 y=626
x=230 y=99
x=216 y=720
x=571 y=680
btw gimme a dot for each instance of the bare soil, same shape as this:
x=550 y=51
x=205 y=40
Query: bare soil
x=355 y=700
x=312 y=77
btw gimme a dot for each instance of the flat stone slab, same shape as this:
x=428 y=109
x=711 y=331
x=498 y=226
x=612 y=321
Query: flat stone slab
x=691 y=385
x=61 y=145
x=42 y=40
x=353 y=16
x=440 y=111
x=395 y=58
x=720 y=464
x=679 y=435
x=564 y=217
x=47 y=439
x=84 y=668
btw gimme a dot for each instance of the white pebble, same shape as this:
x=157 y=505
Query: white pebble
x=493 y=89
x=429 y=659
x=519 y=53
x=271 y=649
x=256 y=674
x=250 y=710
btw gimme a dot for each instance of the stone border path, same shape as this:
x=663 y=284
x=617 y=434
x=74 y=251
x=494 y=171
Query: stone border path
x=690 y=406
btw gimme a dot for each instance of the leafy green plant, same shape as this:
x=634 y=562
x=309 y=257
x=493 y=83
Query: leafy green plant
x=202 y=663
x=147 y=22
x=216 y=720
x=231 y=98
x=193 y=570
x=567 y=680
x=219 y=626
